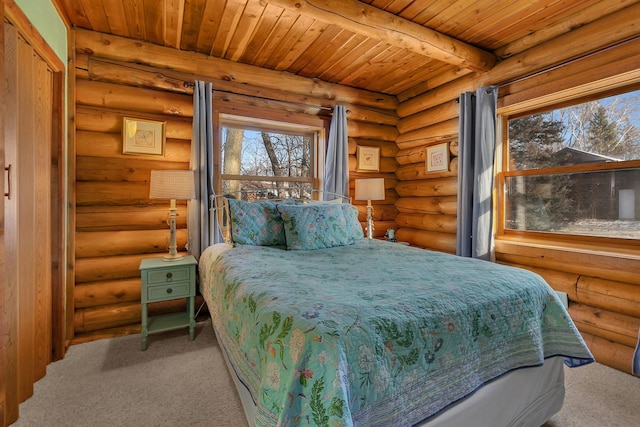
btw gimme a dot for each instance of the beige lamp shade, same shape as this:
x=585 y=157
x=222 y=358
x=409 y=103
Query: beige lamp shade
x=369 y=189
x=172 y=184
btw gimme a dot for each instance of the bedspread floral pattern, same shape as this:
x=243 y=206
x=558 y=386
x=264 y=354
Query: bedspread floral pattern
x=319 y=339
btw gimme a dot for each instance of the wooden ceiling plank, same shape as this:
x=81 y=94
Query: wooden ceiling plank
x=410 y=70
x=275 y=47
x=460 y=15
x=250 y=30
x=414 y=9
x=114 y=11
x=76 y=14
x=397 y=6
x=134 y=14
x=173 y=18
x=404 y=63
x=209 y=26
x=96 y=16
x=494 y=30
x=380 y=4
x=324 y=52
x=376 y=64
x=371 y=22
x=228 y=24
x=313 y=51
x=302 y=44
x=358 y=58
x=341 y=45
x=431 y=11
x=280 y=52
x=193 y=18
x=266 y=25
x=154 y=21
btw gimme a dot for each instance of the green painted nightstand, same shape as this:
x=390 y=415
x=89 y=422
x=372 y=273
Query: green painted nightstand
x=163 y=281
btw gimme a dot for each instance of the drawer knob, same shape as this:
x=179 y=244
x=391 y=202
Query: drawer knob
x=169 y=290
x=169 y=276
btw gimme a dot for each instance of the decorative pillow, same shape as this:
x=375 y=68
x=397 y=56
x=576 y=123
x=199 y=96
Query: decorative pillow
x=256 y=223
x=314 y=226
x=354 y=229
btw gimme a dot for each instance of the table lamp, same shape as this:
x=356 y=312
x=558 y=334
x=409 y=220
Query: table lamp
x=172 y=185
x=369 y=189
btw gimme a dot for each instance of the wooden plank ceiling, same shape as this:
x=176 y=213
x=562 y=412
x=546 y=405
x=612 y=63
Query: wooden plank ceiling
x=389 y=46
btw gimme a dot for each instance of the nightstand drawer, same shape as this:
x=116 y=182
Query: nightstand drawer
x=168 y=275
x=168 y=291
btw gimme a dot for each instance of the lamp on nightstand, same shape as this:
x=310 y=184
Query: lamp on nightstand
x=172 y=185
x=369 y=189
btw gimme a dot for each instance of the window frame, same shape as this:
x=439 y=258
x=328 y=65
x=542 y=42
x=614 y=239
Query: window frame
x=502 y=170
x=292 y=126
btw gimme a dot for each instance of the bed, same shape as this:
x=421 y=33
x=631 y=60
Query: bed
x=320 y=326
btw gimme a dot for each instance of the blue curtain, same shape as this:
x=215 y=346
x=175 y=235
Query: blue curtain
x=336 y=170
x=203 y=226
x=477 y=144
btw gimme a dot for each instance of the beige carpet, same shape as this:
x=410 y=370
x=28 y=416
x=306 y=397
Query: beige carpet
x=177 y=382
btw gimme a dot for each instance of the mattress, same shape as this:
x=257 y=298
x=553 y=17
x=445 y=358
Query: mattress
x=376 y=333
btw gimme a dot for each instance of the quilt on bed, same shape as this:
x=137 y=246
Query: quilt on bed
x=375 y=333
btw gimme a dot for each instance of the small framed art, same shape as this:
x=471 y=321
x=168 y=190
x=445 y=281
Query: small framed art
x=141 y=136
x=368 y=158
x=437 y=157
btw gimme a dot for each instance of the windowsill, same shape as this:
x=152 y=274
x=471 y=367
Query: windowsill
x=591 y=248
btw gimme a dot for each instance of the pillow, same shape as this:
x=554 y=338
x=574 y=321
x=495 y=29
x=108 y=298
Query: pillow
x=354 y=229
x=314 y=226
x=256 y=223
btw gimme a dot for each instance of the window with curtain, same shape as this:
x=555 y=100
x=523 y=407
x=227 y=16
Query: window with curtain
x=574 y=170
x=266 y=159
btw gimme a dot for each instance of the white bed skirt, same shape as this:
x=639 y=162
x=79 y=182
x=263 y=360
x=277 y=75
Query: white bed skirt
x=526 y=397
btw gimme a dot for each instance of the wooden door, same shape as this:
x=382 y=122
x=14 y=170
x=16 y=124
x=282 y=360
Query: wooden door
x=28 y=128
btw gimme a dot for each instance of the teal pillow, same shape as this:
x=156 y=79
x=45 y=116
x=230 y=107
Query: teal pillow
x=314 y=226
x=354 y=229
x=256 y=223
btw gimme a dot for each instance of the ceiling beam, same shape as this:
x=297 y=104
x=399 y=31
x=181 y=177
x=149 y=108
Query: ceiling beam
x=378 y=24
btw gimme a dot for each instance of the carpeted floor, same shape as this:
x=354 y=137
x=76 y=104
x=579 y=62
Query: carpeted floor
x=177 y=382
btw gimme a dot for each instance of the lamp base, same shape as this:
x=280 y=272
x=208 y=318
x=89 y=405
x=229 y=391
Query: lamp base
x=173 y=254
x=369 y=220
x=172 y=258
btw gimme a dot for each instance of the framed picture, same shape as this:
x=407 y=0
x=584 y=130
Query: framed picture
x=141 y=136
x=437 y=157
x=368 y=158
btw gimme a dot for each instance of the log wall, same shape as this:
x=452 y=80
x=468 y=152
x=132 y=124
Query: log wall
x=117 y=224
x=603 y=287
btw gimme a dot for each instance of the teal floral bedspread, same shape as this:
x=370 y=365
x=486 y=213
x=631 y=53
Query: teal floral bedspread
x=375 y=333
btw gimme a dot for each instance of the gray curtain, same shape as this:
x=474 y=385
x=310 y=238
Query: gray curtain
x=202 y=223
x=477 y=144
x=336 y=170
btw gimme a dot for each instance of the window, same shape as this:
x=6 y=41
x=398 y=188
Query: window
x=575 y=170
x=264 y=159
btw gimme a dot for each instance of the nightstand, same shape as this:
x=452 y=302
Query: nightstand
x=163 y=281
